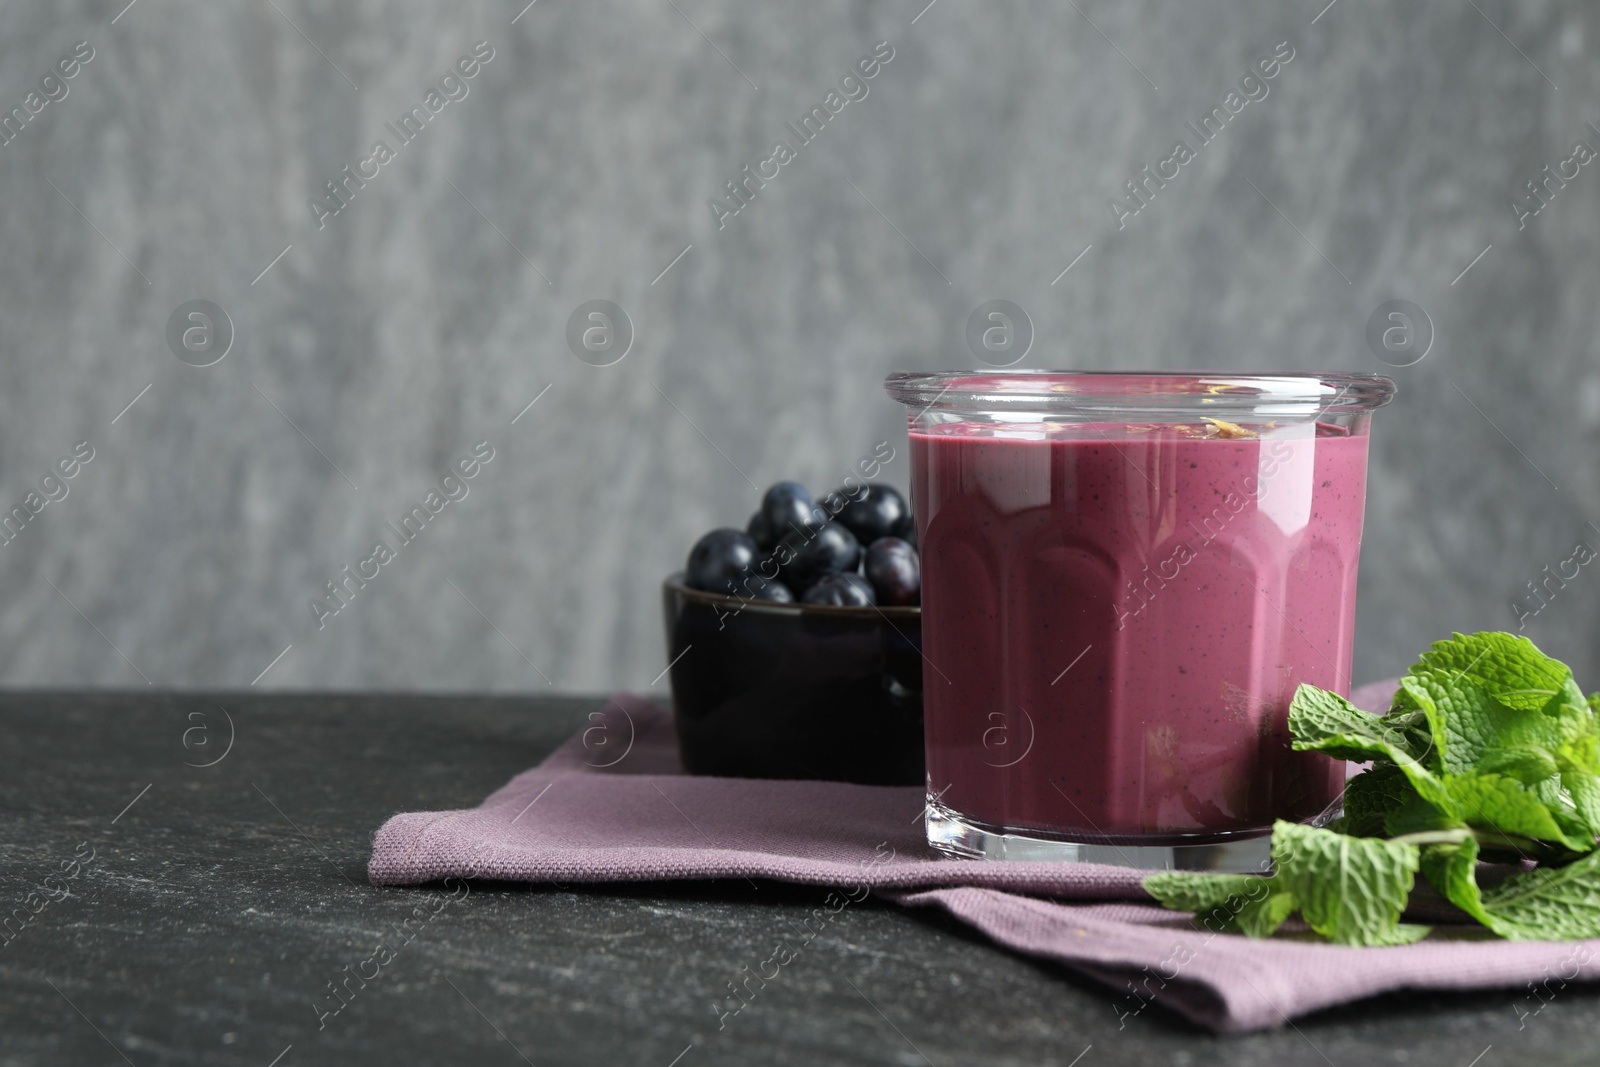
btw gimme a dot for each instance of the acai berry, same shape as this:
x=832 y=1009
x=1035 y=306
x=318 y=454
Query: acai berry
x=907 y=530
x=846 y=589
x=759 y=588
x=720 y=560
x=805 y=555
x=785 y=506
x=873 y=510
x=858 y=543
x=761 y=532
x=894 y=571
x=828 y=507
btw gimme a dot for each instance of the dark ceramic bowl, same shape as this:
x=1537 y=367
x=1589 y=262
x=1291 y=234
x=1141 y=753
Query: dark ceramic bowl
x=764 y=690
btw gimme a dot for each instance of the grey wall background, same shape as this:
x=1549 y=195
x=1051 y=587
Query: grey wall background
x=423 y=318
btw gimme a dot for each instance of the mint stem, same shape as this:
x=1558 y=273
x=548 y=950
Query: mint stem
x=1488 y=838
x=1433 y=837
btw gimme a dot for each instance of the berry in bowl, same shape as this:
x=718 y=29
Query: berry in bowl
x=795 y=644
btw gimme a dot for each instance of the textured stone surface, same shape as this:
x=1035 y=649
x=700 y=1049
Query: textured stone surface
x=221 y=903
x=413 y=326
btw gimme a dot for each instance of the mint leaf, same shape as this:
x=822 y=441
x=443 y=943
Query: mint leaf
x=1491 y=691
x=1584 y=789
x=1549 y=903
x=1326 y=722
x=1582 y=753
x=1453 y=871
x=1199 y=890
x=1350 y=890
x=1580 y=836
x=1370 y=796
x=1546 y=904
x=1250 y=904
x=1415 y=707
x=1498 y=805
x=1508 y=667
x=1496 y=802
x=1528 y=764
x=1417 y=816
x=1259 y=918
x=1489 y=748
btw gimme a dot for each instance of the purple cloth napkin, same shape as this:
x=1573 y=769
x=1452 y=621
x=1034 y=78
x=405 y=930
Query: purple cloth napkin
x=613 y=804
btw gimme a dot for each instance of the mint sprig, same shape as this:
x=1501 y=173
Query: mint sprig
x=1489 y=752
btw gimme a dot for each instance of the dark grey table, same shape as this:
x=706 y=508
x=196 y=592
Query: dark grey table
x=221 y=901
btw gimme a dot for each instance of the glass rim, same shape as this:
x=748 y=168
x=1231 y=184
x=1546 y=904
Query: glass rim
x=1128 y=392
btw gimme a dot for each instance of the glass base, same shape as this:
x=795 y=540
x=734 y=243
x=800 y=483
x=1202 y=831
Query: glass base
x=1236 y=853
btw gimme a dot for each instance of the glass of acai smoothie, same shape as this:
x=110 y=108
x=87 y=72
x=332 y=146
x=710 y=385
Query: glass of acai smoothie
x=1124 y=578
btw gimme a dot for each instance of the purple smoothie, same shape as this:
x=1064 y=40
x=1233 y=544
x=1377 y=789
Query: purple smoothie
x=1115 y=618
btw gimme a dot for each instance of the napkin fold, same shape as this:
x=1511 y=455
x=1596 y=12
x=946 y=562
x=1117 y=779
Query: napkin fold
x=614 y=804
